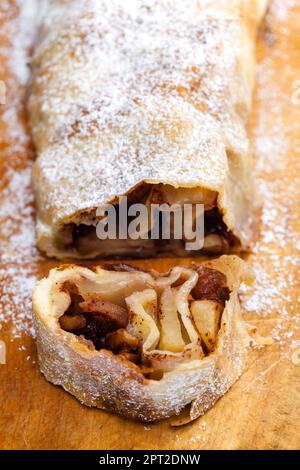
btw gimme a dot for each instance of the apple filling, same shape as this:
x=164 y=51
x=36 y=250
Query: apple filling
x=217 y=238
x=154 y=321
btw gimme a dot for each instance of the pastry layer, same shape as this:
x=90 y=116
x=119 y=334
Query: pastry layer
x=143 y=344
x=126 y=96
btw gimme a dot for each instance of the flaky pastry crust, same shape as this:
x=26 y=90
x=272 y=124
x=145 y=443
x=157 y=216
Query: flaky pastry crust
x=126 y=97
x=102 y=379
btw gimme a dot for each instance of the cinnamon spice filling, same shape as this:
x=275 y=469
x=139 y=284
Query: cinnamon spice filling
x=107 y=324
x=211 y=285
x=101 y=322
x=217 y=238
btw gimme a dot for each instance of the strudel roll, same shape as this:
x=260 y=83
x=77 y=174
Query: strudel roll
x=149 y=99
x=142 y=344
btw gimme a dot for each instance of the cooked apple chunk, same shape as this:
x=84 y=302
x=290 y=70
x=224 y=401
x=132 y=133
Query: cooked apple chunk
x=170 y=336
x=198 y=195
x=206 y=315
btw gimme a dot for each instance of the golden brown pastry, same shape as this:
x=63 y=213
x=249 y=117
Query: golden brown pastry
x=148 y=98
x=142 y=344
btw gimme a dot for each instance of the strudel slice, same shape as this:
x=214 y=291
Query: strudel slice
x=142 y=344
x=149 y=99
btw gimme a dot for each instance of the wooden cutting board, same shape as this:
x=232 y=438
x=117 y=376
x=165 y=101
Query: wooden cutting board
x=262 y=410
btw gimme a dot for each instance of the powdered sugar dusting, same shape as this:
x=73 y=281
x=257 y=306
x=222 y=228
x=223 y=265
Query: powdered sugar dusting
x=18 y=253
x=15 y=302
x=16 y=212
x=20 y=32
x=133 y=91
x=275 y=297
x=281 y=9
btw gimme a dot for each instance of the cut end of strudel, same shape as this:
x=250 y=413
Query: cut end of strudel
x=142 y=344
x=148 y=99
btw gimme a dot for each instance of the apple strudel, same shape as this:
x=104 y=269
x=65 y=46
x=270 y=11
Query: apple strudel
x=139 y=343
x=148 y=99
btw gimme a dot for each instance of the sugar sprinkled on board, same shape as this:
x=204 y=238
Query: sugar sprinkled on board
x=18 y=249
x=276 y=259
x=15 y=301
x=281 y=9
x=21 y=33
x=16 y=212
x=2 y=352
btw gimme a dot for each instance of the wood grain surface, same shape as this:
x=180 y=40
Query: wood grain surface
x=262 y=410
